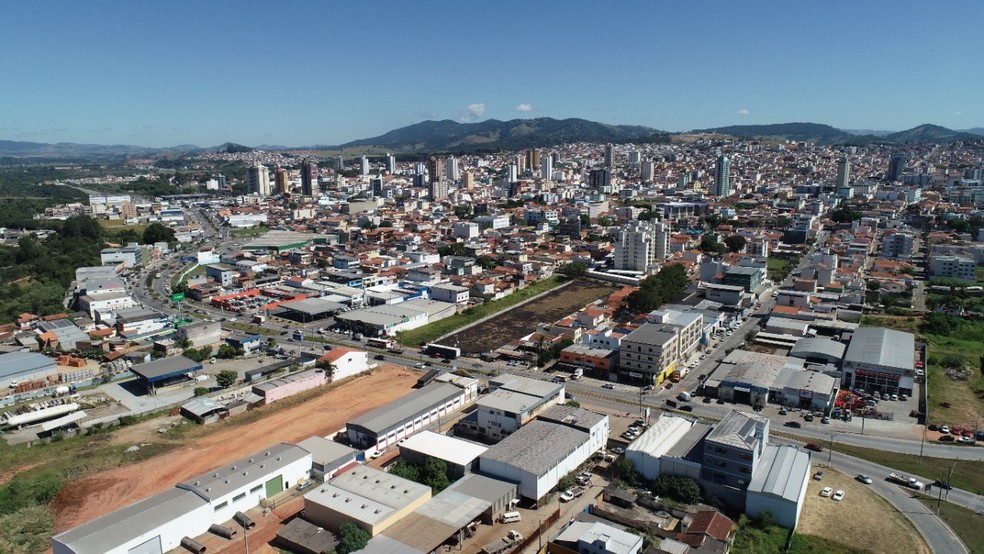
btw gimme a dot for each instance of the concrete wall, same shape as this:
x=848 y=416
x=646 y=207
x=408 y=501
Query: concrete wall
x=290 y=389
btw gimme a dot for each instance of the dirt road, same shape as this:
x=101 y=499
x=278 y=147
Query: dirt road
x=100 y=494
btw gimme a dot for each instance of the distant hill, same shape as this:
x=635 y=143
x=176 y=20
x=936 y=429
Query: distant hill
x=930 y=133
x=806 y=132
x=450 y=136
x=872 y=132
x=974 y=131
x=75 y=151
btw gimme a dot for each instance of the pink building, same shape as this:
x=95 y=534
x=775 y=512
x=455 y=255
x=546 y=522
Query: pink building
x=290 y=385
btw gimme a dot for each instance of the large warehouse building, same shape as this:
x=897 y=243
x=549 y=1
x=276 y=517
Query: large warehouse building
x=157 y=524
x=880 y=360
x=537 y=456
x=165 y=372
x=385 y=426
x=460 y=455
x=25 y=366
x=779 y=485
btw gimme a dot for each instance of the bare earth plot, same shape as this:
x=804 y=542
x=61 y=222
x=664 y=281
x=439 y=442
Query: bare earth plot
x=863 y=520
x=521 y=321
x=89 y=498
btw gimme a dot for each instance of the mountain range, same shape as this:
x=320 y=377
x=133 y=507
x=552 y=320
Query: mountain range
x=495 y=135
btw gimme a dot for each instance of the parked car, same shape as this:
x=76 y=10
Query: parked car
x=793 y=424
x=944 y=429
x=947 y=438
x=826 y=492
x=814 y=447
x=608 y=386
x=838 y=496
x=818 y=476
x=686 y=408
x=379 y=357
x=566 y=496
x=808 y=417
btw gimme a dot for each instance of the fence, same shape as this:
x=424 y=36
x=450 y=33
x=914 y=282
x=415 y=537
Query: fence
x=544 y=525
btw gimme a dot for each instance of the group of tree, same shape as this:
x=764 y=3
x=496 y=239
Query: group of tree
x=711 y=245
x=679 y=488
x=654 y=291
x=227 y=378
x=351 y=538
x=845 y=215
x=546 y=351
x=433 y=473
x=574 y=269
x=198 y=354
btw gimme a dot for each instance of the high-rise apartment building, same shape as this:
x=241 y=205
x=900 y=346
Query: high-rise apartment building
x=843 y=172
x=281 y=181
x=468 y=180
x=437 y=169
x=610 y=156
x=309 y=178
x=896 y=166
x=546 y=167
x=512 y=173
x=221 y=179
x=364 y=165
x=390 y=164
x=600 y=178
x=640 y=244
x=451 y=169
x=648 y=171
x=438 y=189
x=339 y=163
x=532 y=160
x=258 y=180
x=722 y=177
x=635 y=157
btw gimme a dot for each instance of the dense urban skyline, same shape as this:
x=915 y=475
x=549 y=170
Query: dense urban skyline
x=182 y=72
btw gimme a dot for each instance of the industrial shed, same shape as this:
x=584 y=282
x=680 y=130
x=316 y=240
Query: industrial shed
x=818 y=350
x=460 y=455
x=645 y=452
x=594 y=424
x=367 y=497
x=305 y=538
x=396 y=420
x=537 y=456
x=165 y=372
x=779 y=484
x=204 y=411
x=289 y=385
x=328 y=457
x=151 y=526
x=311 y=309
x=25 y=366
x=880 y=359
x=810 y=390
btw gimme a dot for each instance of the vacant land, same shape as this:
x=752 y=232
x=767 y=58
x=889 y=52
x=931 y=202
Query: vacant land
x=321 y=414
x=863 y=520
x=521 y=321
x=779 y=268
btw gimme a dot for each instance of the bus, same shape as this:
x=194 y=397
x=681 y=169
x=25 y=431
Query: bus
x=446 y=352
x=380 y=343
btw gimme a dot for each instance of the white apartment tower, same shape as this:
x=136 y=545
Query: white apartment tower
x=546 y=167
x=390 y=164
x=364 y=166
x=451 y=168
x=640 y=244
x=258 y=180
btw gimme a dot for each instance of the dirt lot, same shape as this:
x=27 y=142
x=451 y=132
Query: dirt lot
x=94 y=496
x=522 y=321
x=863 y=520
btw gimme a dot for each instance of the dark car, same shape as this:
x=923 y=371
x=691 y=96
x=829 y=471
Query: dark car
x=947 y=438
x=379 y=357
x=814 y=447
x=707 y=400
x=793 y=424
x=943 y=484
x=687 y=408
x=808 y=417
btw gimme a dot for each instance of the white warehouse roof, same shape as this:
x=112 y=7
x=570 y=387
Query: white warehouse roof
x=881 y=346
x=446 y=448
x=781 y=472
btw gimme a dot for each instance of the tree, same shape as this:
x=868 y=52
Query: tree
x=328 y=368
x=226 y=352
x=605 y=221
x=435 y=474
x=844 y=215
x=406 y=470
x=658 y=289
x=155 y=232
x=574 y=269
x=710 y=245
x=351 y=538
x=201 y=391
x=873 y=285
x=627 y=471
x=679 y=488
x=735 y=243
x=453 y=249
x=226 y=378
x=585 y=220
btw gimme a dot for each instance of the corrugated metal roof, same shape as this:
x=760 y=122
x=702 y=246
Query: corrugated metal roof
x=537 y=447
x=234 y=476
x=661 y=436
x=395 y=413
x=738 y=430
x=164 y=367
x=446 y=448
x=881 y=346
x=781 y=472
x=15 y=363
x=116 y=528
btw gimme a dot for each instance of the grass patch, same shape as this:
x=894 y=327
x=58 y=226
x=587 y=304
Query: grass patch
x=813 y=544
x=980 y=275
x=252 y=329
x=779 y=268
x=757 y=539
x=967 y=475
x=250 y=232
x=440 y=328
x=964 y=522
x=907 y=324
x=177 y=279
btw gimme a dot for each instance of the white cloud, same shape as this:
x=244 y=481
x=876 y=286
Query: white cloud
x=957 y=113
x=524 y=107
x=470 y=114
x=743 y=111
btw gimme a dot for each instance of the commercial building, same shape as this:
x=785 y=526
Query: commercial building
x=779 y=485
x=130 y=256
x=452 y=294
x=748 y=278
x=222 y=274
x=387 y=320
x=649 y=354
x=136 y=323
x=601 y=361
x=819 y=350
x=594 y=424
x=61 y=331
x=646 y=452
x=748 y=377
x=880 y=360
x=726 y=295
x=165 y=372
x=536 y=456
x=25 y=366
x=346 y=362
x=953 y=267
x=733 y=450
x=461 y=456
x=810 y=390
x=385 y=426
x=289 y=385
x=365 y=496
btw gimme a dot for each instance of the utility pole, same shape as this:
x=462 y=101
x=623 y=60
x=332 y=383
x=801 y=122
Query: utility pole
x=922 y=443
x=830 y=452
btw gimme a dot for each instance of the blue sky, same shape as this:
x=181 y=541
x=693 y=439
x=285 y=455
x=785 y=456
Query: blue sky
x=301 y=73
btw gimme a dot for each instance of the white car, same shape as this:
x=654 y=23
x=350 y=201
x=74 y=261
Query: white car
x=838 y=496
x=945 y=429
x=566 y=496
x=864 y=479
x=826 y=492
x=375 y=455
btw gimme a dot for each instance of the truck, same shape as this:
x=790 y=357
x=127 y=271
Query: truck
x=578 y=373
x=298 y=335
x=684 y=396
x=675 y=376
x=510 y=540
x=259 y=318
x=910 y=482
